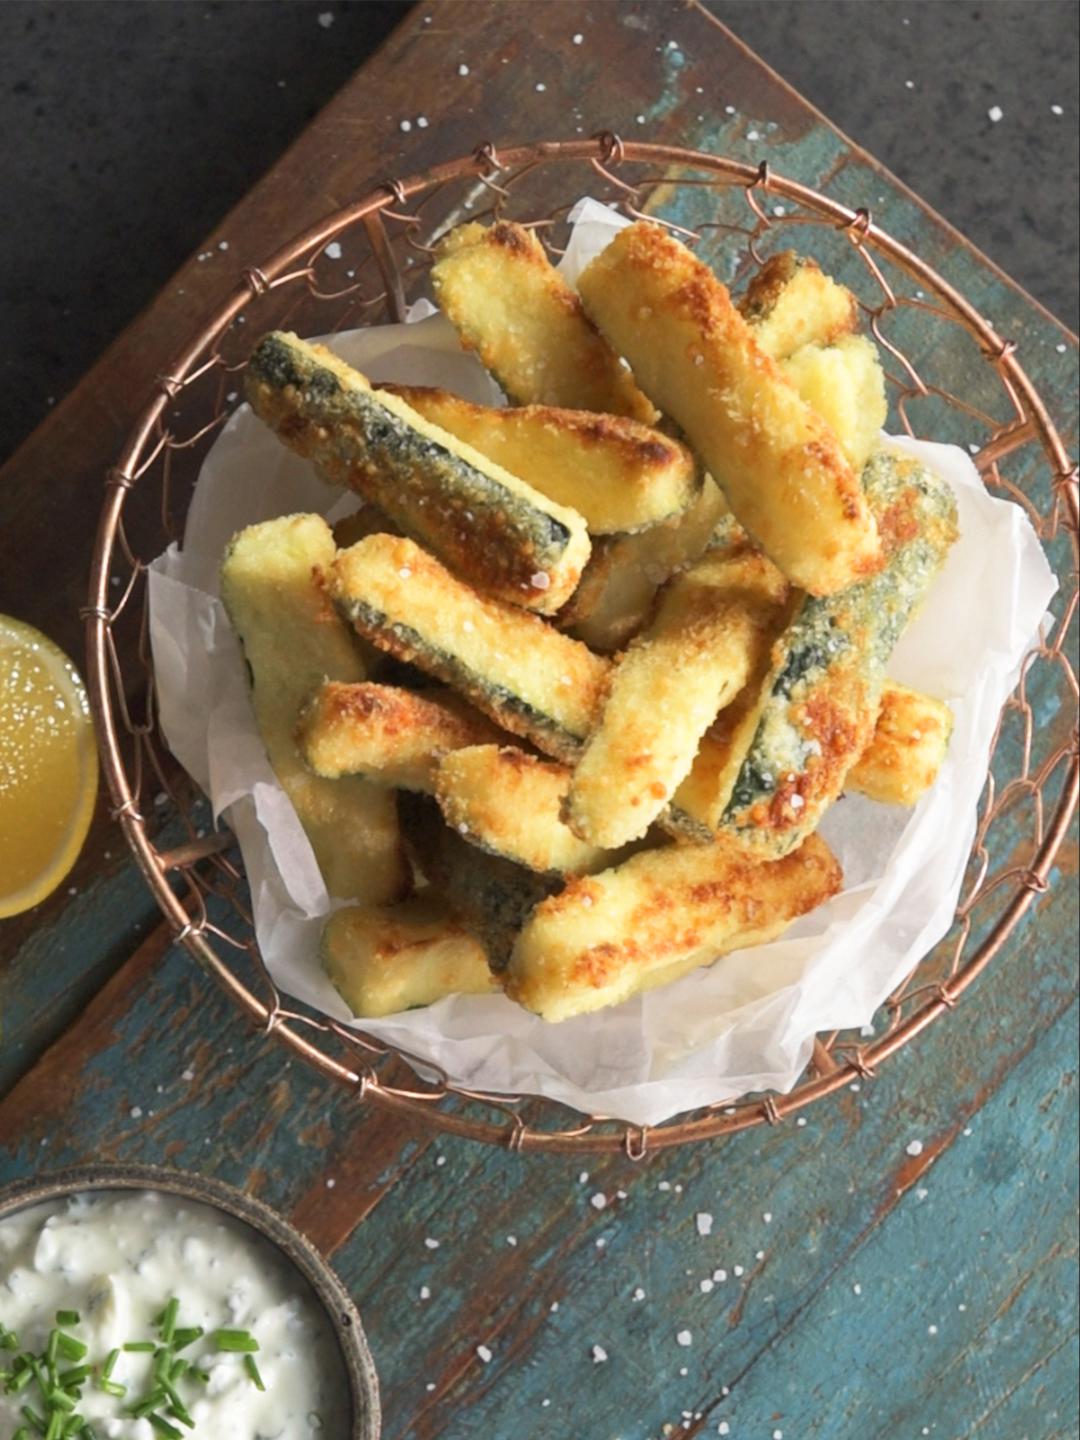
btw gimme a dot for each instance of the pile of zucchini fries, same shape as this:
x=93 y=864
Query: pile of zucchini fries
x=562 y=705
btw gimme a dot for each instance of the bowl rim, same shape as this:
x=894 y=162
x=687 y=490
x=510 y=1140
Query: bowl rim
x=287 y=1240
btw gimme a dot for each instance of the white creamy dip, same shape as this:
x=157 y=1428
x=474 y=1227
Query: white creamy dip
x=117 y=1257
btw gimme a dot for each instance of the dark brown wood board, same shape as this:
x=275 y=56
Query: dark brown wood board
x=887 y=1291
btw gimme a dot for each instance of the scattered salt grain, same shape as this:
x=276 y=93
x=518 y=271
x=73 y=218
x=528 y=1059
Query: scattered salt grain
x=1056 y=110
x=545 y=1403
x=778 y=1435
x=856 y=1289
x=440 y=1160
x=405 y=572
x=421 y=122
x=331 y=1183
x=484 y=1353
x=705 y=1286
x=719 y=1276
x=598 y=1201
x=664 y=1185
x=326 y=19
x=599 y=1355
x=425 y=1292
x=779 y=209
x=430 y=1243
x=462 y=69
x=914 y=1147
x=1061 y=348
x=995 y=113
x=800 y=1120
x=405 y=125
x=223 y=244
x=729 y=110
x=931 y=1329
x=541 y=86
x=583 y=1178
x=921 y=1193
x=684 y=1338
x=723 y=1428
x=767 y=1217
x=430 y=1386
x=540 y=581
x=553 y=1306
x=753 y=134
x=909 y=84
x=640 y=119
x=704 y=1223
x=961 y=1308
x=759 y=1254
x=333 y=250
x=638 y=1295
x=136 y=1112
x=578 y=39
x=737 y=1270
x=601 y=1244
x=511 y=1239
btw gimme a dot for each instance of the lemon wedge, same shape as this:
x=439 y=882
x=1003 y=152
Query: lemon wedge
x=48 y=766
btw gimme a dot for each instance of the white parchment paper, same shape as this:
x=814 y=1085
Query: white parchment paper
x=746 y=1023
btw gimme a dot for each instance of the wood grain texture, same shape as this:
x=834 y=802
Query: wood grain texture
x=141 y=1059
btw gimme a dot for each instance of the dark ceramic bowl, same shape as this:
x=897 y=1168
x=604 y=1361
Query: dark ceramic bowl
x=344 y=1320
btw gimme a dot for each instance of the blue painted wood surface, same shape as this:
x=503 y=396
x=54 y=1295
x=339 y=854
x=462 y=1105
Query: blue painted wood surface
x=902 y=1264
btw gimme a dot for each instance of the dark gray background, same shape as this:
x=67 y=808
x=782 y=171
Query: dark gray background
x=109 y=108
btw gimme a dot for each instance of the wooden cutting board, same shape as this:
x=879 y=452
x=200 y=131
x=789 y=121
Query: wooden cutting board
x=901 y=1264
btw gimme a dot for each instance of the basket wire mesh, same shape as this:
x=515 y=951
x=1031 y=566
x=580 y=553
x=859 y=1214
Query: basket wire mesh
x=363 y=265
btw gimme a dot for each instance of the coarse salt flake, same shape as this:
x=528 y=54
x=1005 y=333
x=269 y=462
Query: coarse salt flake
x=638 y=1295
x=425 y=1292
x=422 y=122
x=719 y=1276
x=1056 y=110
x=462 y=69
x=856 y=1289
x=598 y=1201
x=541 y=86
x=705 y=1285
x=704 y=1222
x=405 y=125
x=914 y=1147
x=484 y=1353
x=333 y=250
x=326 y=19
x=578 y=39
x=511 y=1239
x=430 y=1243
x=995 y=113
x=684 y=1338
x=723 y=1428
x=599 y=1355
x=540 y=581
x=737 y=1270
x=753 y=134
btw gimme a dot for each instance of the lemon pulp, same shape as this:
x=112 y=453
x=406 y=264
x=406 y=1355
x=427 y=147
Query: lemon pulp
x=48 y=766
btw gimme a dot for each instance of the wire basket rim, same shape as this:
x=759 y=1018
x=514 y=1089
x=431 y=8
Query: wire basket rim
x=605 y=152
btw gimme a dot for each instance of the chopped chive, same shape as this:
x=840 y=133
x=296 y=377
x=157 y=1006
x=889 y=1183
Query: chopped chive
x=20 y=1380
x=67 y=1317
x=60 y=1400
x=8 y=1339
x=140 y=1347
x=51 y=1347
x=21 y=1434
x=253 y=1372
x=183 y=1338
x=168 y=1319
x=75 y=1376
x=68 y=1346
x=33 y=1419
x=110 y=1364
x=162 y=1426
x=144 y=1407
x=237 y=1342
x=112 y=1387
x=54 y=1429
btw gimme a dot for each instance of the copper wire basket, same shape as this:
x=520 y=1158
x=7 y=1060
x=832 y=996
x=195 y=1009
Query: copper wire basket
x=362 y=265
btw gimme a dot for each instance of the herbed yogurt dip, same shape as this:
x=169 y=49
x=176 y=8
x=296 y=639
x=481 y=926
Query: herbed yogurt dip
x=117 y=1258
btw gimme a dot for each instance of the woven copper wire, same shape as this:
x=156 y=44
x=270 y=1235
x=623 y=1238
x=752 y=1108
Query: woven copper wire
x=386 y=239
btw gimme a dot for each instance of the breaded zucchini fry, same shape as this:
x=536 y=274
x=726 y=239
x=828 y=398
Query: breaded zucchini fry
x=845 y=384
x=386 y=733
x=292 y=640
x=493 y=895
x=781 y=468
x=910 y=740
x=790 y=302
x=713 y=629
x=385 y=959
x=664 y=912
x=510 y=803
x=828 y=668
x=620 y=475
x=508 y=303
x=525 y=675
x=486 y=523
x=618 y=588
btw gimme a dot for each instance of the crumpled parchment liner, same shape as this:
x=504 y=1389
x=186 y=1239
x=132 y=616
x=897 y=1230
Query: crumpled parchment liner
x=746 y=1023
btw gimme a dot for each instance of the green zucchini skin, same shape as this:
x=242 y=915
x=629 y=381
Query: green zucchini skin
x=485 y=523
x=824 y=687
x=492 y=894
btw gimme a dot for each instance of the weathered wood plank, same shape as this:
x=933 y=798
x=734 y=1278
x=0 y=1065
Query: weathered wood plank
x=159 y=1068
